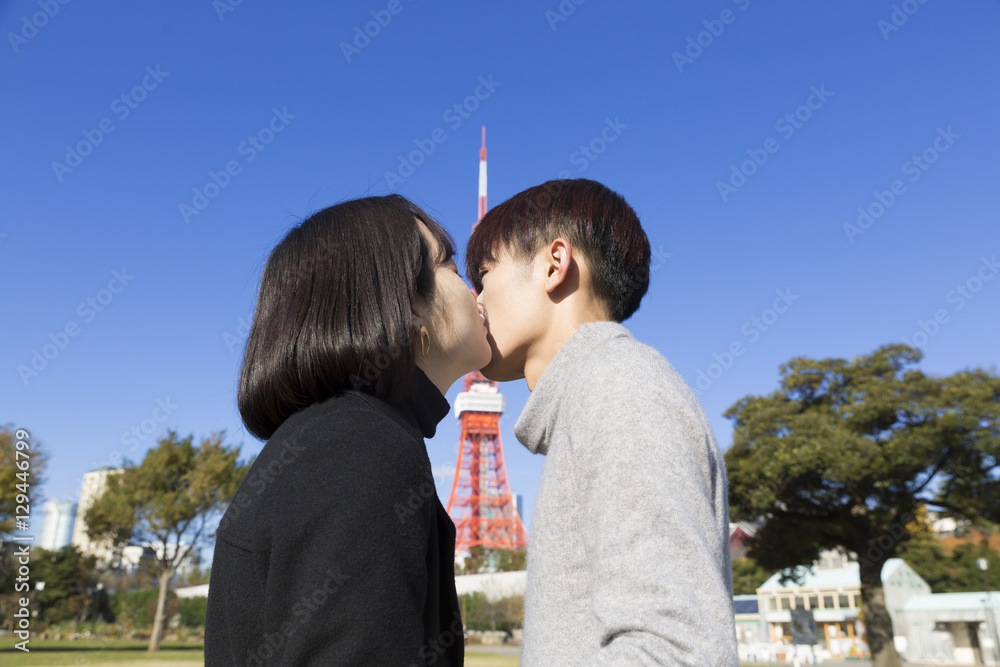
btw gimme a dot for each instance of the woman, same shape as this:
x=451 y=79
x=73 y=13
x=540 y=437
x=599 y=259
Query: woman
x=336 y=549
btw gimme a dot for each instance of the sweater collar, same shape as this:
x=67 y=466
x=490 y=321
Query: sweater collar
x=533 y=427
x=424 y=406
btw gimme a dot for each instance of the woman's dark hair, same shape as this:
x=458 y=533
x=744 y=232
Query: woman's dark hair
x=334 y=311
x=595 y=219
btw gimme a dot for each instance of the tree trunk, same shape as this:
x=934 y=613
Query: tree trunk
x=878 y=623
x=161 y=605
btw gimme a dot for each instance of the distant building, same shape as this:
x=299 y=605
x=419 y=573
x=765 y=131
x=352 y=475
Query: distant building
x=494 y=585
x=519 y=504
x=739 y=533
x=946 y=526
x=199 y=591
x=94 y=483
x=832 y=589
x=190 y=561
x=749 y=629
x=950 y=627
x=57 y=524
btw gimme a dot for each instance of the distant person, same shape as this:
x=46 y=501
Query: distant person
x=336 y=549
x=628 y=556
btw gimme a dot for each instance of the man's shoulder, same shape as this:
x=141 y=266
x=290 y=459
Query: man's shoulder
x=628 y=362
x=624 y=372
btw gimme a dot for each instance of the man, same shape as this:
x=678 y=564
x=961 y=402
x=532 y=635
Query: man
x=629 y=560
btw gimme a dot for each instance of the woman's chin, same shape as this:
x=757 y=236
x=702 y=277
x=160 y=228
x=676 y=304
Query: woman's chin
x=485 y=358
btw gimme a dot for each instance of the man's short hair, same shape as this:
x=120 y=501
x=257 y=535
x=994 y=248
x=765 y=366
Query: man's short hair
x=594 y=218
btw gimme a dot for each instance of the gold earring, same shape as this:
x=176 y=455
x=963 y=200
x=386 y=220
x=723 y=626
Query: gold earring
x=425 y=341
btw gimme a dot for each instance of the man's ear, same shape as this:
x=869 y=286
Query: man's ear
x=558 y=261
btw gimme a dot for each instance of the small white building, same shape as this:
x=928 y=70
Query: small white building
x=951 y=627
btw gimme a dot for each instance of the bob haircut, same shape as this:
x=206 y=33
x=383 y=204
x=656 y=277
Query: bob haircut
x=595 y=219
x=335 y=309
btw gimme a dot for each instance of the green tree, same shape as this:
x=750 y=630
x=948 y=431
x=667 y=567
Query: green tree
x=481 y=559
x=478 y=613
x=193 y=611
x=136 y=609
x=845 y=453
x=195 y=576
x=70 y=580
x=168 y=500
x=22 y=464
x=748 y=576
x=944 y=572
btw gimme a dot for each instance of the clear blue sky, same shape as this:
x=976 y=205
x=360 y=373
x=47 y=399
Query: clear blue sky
x=209 y=79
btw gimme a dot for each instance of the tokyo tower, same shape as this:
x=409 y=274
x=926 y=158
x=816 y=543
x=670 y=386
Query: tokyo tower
x=481 y=504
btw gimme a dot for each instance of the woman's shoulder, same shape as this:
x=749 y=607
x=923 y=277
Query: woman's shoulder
x=328 y=428
x=329 y=454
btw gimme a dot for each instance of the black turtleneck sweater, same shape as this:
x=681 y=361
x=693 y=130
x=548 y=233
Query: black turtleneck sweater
x=336 y=549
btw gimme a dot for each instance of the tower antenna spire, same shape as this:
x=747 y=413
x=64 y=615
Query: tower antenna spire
x=481 y=503
x=482 y=178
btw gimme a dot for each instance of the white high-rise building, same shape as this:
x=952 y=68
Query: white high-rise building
x=57 y=524
x=94 y=483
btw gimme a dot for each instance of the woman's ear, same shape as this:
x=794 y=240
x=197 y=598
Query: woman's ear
x=420 y=311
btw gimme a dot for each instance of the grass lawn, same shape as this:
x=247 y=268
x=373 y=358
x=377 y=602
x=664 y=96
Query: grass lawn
x=97 y=653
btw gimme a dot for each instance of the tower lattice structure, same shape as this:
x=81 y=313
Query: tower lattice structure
x=481 y=504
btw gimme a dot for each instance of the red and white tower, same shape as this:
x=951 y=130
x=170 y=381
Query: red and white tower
x=481 y=504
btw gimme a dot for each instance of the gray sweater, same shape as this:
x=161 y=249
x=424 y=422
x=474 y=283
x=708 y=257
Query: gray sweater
x=628 y=556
